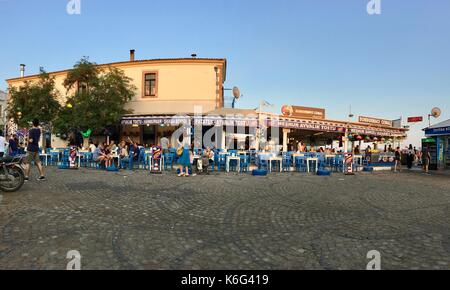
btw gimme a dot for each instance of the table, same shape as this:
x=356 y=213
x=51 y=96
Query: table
x=316 y=160
x=278 y=159
x=237 y=158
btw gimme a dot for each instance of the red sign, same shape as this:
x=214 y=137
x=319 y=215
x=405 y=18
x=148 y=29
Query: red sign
x=415 y=119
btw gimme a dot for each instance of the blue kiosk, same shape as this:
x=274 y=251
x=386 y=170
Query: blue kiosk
x=438 y=141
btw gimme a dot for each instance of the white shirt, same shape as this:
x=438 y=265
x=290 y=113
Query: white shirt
x=2 y=144
x=92 y=147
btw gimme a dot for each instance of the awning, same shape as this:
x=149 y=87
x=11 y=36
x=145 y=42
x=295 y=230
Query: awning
x=156 y=120
x=269 y=121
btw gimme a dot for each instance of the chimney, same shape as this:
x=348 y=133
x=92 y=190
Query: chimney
x=22 y=70
x=132 y=54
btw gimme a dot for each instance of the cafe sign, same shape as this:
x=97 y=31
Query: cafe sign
x=303 y=112
x=376 y=121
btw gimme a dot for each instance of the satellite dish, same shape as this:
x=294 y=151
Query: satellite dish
x=236 y=93
x=436 y=113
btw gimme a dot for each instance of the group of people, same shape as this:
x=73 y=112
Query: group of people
x=104 y=153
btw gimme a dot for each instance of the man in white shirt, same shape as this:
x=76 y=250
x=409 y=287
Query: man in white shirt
x=2 y=144
x=92 y=146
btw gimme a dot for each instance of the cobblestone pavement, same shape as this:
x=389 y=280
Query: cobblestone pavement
x=133 y=220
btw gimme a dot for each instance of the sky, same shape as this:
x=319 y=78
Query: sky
x=319 y=53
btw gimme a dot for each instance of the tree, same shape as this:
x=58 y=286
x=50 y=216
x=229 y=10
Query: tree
x=34 y=100
x=98 y=98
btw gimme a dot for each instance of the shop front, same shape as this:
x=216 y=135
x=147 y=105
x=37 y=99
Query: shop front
x=438 y=143
x=247 y=129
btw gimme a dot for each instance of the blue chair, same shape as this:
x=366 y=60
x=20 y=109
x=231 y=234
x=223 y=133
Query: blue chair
x=220 y=160
x=287 y=163
x=252 y=153
x=263 y=162
x=339 y=163
x=141 y=161
x=322 y=161
x=55 y=157
x=86 y=159
x=168 y=161
x=300 y=164
x=245 y=163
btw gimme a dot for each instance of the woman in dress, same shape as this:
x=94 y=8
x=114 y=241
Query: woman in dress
x=185 y=159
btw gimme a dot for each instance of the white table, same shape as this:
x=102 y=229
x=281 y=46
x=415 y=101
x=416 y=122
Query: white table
x=316 y=160
x=238 y=159
x=278 y=159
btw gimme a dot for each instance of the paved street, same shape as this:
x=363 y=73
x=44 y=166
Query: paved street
x=289 y=221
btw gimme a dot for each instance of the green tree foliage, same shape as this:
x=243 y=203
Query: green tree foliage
x=34 y=100
x=96 y=98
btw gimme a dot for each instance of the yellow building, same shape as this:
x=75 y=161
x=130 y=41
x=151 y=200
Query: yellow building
x=165 y=87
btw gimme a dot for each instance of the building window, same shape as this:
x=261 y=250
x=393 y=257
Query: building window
x=150 y=84
x=81 y=87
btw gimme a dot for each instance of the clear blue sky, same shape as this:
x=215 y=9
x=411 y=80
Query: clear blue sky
x=306 y=52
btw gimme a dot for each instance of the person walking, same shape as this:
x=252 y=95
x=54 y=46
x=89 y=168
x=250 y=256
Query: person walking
x=426 y=159
x=410 y=157
x=398 y=160
x=34 y=135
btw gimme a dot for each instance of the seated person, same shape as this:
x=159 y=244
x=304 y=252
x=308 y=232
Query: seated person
x=99 y=155
x=106 y=152
x=123 y=154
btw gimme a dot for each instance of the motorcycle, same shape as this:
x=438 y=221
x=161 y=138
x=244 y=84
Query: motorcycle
x=12 y=175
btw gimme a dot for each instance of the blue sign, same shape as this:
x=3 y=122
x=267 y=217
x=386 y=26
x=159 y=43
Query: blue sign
x=438 y=131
